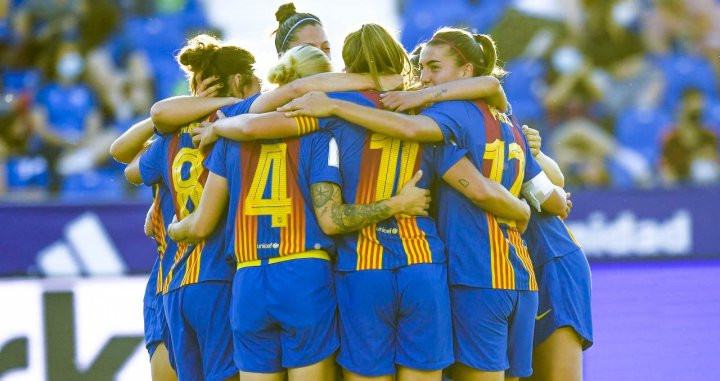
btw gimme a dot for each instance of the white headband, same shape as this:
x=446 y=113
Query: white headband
x=293 y=28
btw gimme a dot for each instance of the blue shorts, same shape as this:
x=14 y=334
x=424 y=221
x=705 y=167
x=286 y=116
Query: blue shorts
x=394 y=317
x=156 y=327
x=564 y=297
x=200 y=329
x=493 y=329
x=283 y=315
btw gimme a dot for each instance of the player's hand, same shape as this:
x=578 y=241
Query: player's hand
x=204 y=135
x=534 y=139
x=568 y=205
x=523 y=223
x=402 y=100
x=390 y=82
x=208 y=87
x=148 y=221
x=315 y=104
x=414 y=201
x=172 y=229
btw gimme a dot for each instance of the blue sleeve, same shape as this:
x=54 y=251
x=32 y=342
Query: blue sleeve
x=151 y=164
x=325 y=158
x=216 y=161
x=242 y=107
x=446 y=156
x=449 y=116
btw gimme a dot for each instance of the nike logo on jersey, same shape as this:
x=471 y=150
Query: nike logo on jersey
x=543 y=314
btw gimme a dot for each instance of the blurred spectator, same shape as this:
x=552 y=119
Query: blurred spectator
x=66 y=118
x=690 y=150
x=689 y=24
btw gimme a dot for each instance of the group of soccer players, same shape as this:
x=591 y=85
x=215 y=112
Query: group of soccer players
x=328 y=223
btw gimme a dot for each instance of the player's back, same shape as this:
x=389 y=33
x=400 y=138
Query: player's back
x=484 y=251
x=174 y=161
x=271 y=213
x=375 y=167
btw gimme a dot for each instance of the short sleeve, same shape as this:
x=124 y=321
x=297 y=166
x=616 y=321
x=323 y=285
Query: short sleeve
x=216 y=161
x=448 y=116
x=151 y=163
x=325 y=159
x=242 y=107
x=446 y=156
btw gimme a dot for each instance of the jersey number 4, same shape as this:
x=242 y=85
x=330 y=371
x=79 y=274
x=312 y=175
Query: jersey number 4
x=272 y=165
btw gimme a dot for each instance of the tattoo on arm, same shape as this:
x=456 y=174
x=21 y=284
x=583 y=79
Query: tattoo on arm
x=464 y=183
x=327 y=199
x=439 y=93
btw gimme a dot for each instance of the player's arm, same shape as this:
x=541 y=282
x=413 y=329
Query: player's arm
x=132 y=170
x=199 y=224
x=486 y=87
x=336 y=217
x=168 y=114
x=396 y=125
x=244 y=127
x=132 y=141
x=325 y=82
x=490 y=196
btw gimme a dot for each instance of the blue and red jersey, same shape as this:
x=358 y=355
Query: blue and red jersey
x=162 y=214
x=174 y=161
x=484 y=251
x=375 y=167
x=271 y=213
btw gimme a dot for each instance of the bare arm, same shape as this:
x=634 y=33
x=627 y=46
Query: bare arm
x=132 y=170
x=485 y=193
x=485 y=87
x=201 y=223
x=325 y=82
x=168 y=114
x=335 y=217
x=271 y=125
x=132 y=141
x=392 y=124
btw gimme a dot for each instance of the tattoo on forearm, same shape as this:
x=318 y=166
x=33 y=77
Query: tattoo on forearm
x=439 y=93
x=464 y=183
x=353 y=217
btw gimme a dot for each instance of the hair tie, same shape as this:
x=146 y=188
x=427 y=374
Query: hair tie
x=282 y=46
x=465 y=60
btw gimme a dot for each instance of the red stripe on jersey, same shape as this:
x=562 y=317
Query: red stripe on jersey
x=493 y=132
x=173 y=149
x=246 y=226
x=292 y=237
x=369 y=250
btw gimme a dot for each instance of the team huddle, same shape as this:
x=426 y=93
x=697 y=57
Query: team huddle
x=395 y=221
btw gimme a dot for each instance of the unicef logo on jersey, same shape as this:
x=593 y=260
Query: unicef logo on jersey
x=273 y=245
x=387 y=230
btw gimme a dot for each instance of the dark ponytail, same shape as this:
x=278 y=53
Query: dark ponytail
x=289 y=21
x=205 y=56
x=476 y=49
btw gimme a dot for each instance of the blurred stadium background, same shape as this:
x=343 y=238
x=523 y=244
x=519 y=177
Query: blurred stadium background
x=625 y=93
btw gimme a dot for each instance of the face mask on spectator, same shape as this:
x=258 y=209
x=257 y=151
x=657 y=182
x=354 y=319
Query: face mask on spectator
x=70 y=66
x=567 y=60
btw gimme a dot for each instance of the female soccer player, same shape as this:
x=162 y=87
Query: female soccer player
x=563 y=325
x=283 y=308
x=197 y=289
x=399 y=260
x=498 y=280
x=295 y=29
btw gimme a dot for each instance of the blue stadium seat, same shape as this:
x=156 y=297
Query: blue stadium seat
x=524 y=86
x=93 y=185
x=641 y=130
x=17 y=81
x=711 y=115
x=421 y=18
x=683 y=71
x=25 y=172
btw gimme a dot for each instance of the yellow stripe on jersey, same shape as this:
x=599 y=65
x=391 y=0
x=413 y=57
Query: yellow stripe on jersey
x=159 y=282
x=316 y=254
x=306 y=124
x=524 y=255
x=192 y=266
x=503 y=274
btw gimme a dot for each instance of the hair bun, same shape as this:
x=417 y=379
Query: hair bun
x=285 y=12
x=199 y=52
